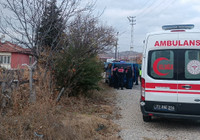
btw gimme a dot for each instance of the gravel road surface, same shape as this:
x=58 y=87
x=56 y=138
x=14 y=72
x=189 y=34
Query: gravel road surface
x=133 y=127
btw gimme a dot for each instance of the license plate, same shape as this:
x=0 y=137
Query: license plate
x=168 y=108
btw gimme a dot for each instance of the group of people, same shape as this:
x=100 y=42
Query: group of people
x=125 y=77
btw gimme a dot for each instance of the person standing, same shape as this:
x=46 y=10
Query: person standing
x=121 y=77
x=115 y=77
x=136 y=75
x=129 y=78
x=140 y=74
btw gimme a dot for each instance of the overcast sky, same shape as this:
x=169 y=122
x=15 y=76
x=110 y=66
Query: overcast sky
x=150 y=16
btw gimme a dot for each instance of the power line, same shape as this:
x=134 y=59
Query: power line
x=158 y=10
x=171 y=3
x=146 y=8
x=143 y=6
x=151 y=9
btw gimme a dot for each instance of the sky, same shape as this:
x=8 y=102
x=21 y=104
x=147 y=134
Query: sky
x=150 y=16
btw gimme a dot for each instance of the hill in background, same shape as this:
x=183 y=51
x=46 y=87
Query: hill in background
x=124 y=55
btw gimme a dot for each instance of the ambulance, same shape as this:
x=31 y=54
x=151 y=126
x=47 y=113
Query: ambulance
x=170 y=85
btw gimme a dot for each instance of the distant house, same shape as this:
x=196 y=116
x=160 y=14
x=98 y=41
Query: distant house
x=13 y=56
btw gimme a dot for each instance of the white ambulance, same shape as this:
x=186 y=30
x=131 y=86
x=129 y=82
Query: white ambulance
x=171 y=73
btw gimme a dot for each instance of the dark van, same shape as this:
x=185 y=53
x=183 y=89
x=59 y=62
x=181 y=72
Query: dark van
x=109 y=71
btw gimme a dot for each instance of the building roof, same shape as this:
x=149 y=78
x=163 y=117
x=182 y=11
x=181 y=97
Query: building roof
x=13 y=48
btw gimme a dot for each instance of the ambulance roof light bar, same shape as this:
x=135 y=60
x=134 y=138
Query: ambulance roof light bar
x=178 y=27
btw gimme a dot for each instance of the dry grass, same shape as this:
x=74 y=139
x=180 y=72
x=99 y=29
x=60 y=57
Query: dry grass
x=36 y=119
x=92 y=117
x=76 y=118
x=169 y=138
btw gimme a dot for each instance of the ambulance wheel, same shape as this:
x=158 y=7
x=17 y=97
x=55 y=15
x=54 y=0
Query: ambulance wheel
x=146 y=118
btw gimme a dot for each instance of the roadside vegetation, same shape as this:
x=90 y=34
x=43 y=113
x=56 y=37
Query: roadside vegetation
x=67 y=99
x=76 y=118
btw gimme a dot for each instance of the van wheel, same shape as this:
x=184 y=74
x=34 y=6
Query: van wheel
x=146 y=118
x=106 y=81
x=109 y=83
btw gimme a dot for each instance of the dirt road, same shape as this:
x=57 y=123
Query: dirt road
x=133 y=127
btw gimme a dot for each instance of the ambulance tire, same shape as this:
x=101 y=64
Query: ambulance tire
x=146 y=118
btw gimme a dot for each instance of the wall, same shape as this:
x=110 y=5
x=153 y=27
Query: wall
x=18 y=59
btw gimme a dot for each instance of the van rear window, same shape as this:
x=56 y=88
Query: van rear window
x=122 y=65
x=161 y=64
x=192 y=64
x=177 y=64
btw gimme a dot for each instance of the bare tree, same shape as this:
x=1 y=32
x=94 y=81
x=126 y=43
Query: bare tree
x=20 y=20
x=88 y=35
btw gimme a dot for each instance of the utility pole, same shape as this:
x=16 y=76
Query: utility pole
x=132 y=23
x=116 y=47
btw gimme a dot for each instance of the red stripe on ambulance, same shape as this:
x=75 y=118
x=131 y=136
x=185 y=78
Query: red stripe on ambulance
x=176 y=92
x=164 y=85
x=159 y=91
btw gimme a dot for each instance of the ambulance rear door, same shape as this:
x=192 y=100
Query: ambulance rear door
x=161 y=93
x=189 y=74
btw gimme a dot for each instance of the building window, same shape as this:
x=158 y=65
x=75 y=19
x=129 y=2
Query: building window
x=8 y=60
x=4 y=59
x=1 y=59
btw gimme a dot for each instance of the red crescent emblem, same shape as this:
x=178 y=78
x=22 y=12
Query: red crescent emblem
x=155 y=65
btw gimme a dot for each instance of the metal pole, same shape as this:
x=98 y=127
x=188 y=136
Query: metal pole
x=31 y=80
x=132 y=23
x=32 y=93
x=116 y=52
x=116 y=47
x=131 y=47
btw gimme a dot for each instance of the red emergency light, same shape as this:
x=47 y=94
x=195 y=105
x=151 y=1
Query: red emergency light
x=177 y=30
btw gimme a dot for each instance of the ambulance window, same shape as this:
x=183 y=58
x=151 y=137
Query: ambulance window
x=163 y=53
x=161 y=64
x=192 y=55
x=192 y=64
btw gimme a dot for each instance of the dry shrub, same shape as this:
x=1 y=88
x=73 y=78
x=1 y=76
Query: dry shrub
x=25 y=120
x=21 y=95
x=20 y=99
x=38 y=119
x=76 y=118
